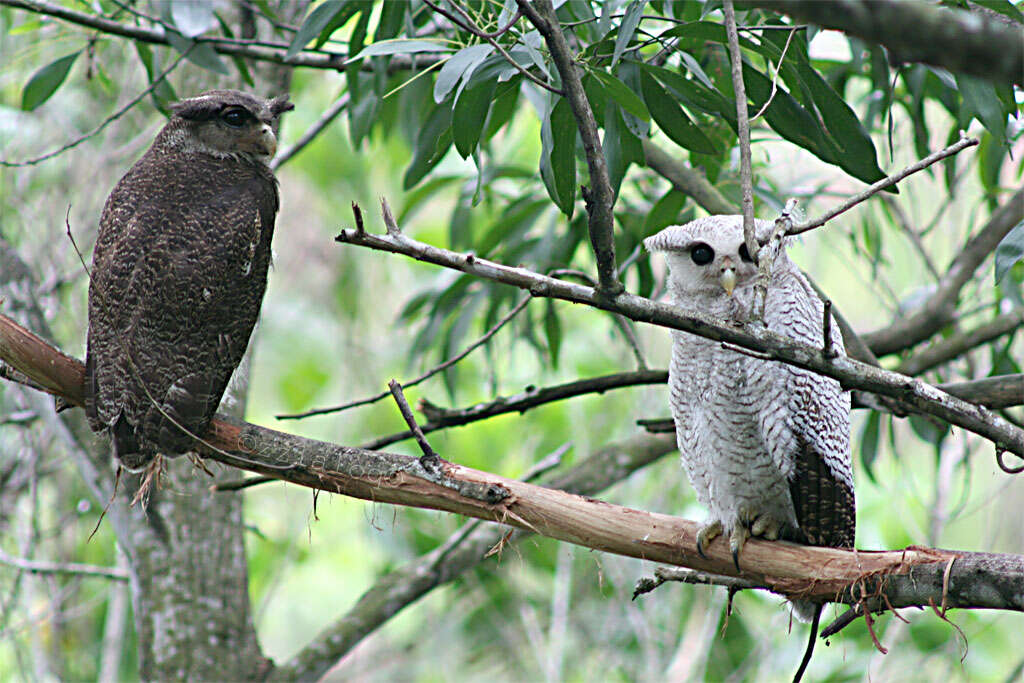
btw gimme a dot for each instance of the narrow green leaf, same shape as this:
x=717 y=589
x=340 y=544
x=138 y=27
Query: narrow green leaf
x=671 y=118
x=315 y=23
x=459 y=66
x=398 y=47
x=470 y=114
x=1009 y=251
x=553 y=331
x=621 y=147
x=162 y=94
x=200 y=54
x=392 y=15
x=869 y=439
x=981 y=100
x=627 y=28
x=558 y=155
x=623 y=96
x=46 y=80
x=434 y=140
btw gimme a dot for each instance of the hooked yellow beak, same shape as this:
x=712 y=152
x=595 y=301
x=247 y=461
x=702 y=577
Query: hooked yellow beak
x=728 y=276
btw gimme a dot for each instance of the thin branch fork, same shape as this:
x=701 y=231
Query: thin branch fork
x=851 y=374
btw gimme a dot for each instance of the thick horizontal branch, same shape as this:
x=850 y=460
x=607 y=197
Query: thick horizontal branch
x=940 y=308
x=850 y=373
x=956 y=345
x=913 y=576
x=970 y=43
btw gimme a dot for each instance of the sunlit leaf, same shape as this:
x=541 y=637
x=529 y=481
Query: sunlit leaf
x=1009 y=251
x=459 y=66
x=192 y=17
x=46 y=80
x=316 y=22
x=627 y=28
x=399 y=47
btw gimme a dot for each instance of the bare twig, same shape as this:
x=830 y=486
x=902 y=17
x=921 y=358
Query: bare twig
x=242 y=484
x=599 y=199
x=775 y=77
x=107 y=121
x=888 y=181
x=666 y=574
x=69 y=568
x=852 y=374
x=743 y=129
x=426 y=375
x=957 y=344
x=429 y=454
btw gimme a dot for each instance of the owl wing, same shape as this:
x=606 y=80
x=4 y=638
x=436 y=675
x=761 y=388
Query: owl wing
x=813 y=446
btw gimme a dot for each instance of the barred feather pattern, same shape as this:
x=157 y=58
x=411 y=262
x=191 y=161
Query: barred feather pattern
x=755 y=433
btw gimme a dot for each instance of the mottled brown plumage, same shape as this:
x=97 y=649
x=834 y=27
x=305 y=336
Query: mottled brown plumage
x=179 y=271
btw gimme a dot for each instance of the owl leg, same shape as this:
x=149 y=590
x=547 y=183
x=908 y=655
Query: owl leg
x=749 y=523
x=706 y=534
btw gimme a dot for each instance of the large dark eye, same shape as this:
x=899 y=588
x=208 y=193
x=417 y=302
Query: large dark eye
x=744 y=254
x=235 y=117
x=702 y=254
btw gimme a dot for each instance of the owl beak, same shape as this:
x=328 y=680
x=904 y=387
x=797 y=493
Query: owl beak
x=268 y=140
x=728 y=276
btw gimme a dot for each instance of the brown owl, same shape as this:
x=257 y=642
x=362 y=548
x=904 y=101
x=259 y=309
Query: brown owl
x=178 y=275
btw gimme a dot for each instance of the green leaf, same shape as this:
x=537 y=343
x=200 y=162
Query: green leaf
x=869 y=439
x=459 y=66
x=665 y=212
x=982 y=102
x=46 y=80
x=627 y=28
x=470 y=114
x=200 y=54
x=398 y=47
x=623 y=96
x=434 y=140
x=192 y=17
x=671 y=118
x=621 y=147
x=162 y=93
x=558 y=155
x=392 y=15
x=708 y=99
x=1009 y=251
x=316 y=22
x=553 y=331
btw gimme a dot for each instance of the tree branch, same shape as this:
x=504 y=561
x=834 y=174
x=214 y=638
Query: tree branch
x=962 y=42
x=600 y=198
x=912 y=576
x=851 y=374
x=70 y=568
x=940 y=309
x=957 y=344
x=463 y=551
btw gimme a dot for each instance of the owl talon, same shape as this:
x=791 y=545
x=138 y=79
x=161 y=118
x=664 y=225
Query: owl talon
x=766 y=527
x=706 y=534
x=737 y=539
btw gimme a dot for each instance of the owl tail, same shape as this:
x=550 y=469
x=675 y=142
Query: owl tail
x=126 y=446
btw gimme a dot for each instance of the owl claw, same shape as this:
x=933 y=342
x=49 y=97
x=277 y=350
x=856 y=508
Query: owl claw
x=706 y=534
x=737 y=538
x=767 y=527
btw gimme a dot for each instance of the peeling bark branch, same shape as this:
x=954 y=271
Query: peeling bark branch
x=912 y=576
x=852 y=374
x=959 y=41
x=599 y=198
x=940 y=309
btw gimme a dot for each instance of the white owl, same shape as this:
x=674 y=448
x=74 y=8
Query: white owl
x=766 y=445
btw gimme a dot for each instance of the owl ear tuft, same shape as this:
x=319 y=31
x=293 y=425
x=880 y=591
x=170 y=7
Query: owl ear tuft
x=280 y=105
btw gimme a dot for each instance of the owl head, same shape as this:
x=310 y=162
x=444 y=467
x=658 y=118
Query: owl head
x=227 y=123
x=707 y=258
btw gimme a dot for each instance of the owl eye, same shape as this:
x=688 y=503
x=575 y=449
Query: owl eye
x=702 y=254
x=234 y=117
x=744 y=254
